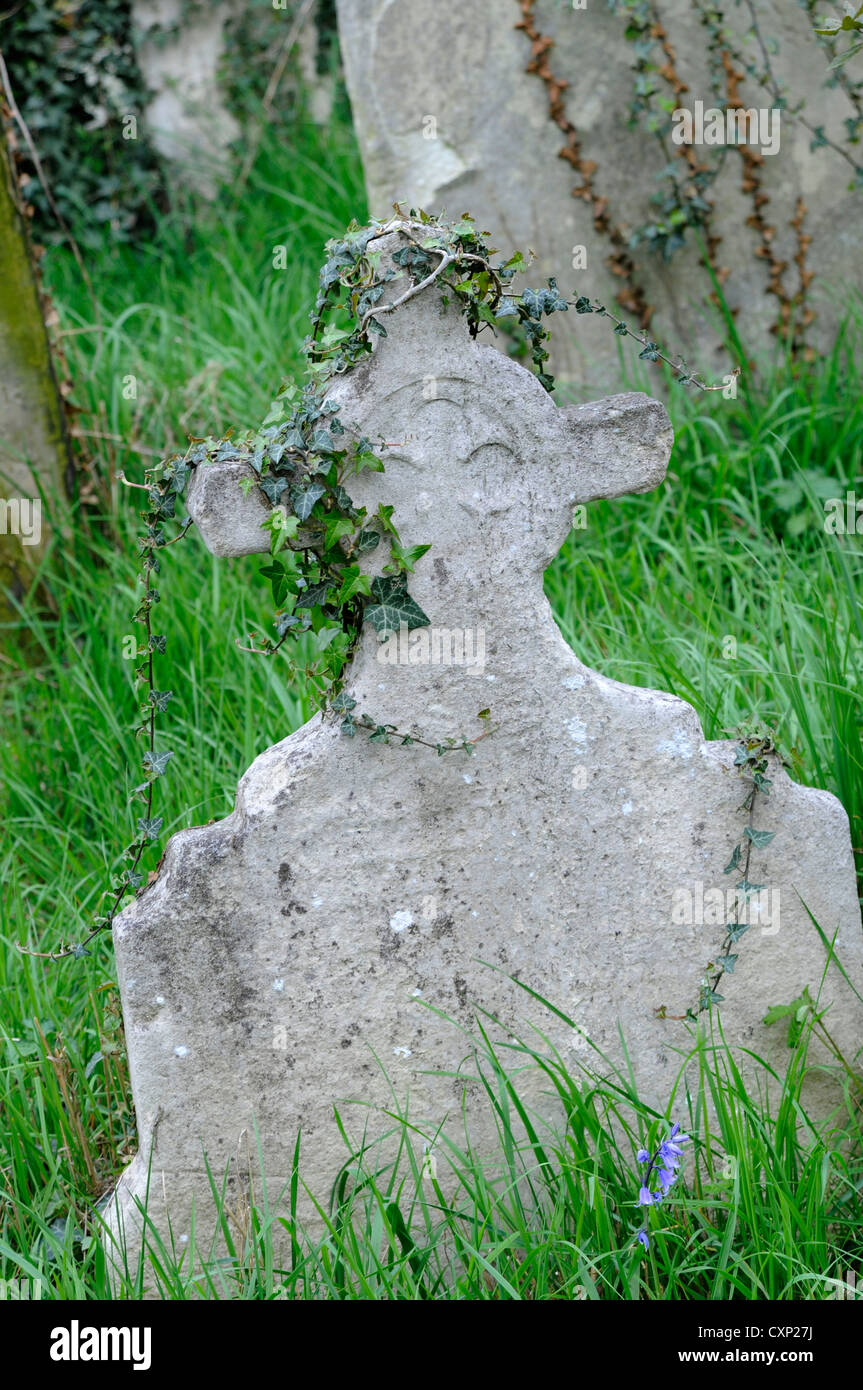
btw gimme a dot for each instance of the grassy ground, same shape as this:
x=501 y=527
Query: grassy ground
x=732 y=546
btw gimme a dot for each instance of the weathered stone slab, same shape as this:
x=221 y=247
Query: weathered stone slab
x=285 y=957
x=34 y=457
x=448 y=118
x=180 y=53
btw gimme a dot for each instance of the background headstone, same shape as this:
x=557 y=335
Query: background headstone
x=34 y=452
x=285 y=956
x=447 y=117
x=179 y=54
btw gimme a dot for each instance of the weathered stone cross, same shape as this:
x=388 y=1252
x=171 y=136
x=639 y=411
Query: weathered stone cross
x=291 y=955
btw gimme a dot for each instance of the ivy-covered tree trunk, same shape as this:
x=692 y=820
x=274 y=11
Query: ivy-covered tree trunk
x=34 y=449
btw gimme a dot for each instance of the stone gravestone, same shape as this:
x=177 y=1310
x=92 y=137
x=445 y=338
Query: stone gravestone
x=301 y=952
x=180 y=50
x=448 y=117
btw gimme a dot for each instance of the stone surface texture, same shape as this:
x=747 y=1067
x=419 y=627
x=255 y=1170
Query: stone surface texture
x=461 y=64
x=296 y=954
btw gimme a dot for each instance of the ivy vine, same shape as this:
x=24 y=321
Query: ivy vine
x=751 y=759
x=682 y=203
x=752 y=756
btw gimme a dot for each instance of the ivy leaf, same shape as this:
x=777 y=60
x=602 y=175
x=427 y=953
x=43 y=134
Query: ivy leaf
x=343 y=501
x=335 y=528
x=157 y=644
x=155 y=763
x=163 y=504
x=332 y=335
x=321 y=442
x=343 y=701
x=367 y=540
x=315 y=594
x=747 y=888
x=621 y=330
x=160 y=699
x=726 y=963
x=583 y=305
x=293 y=440
x=546 y=301
x=407 y=558
x=367 y=459
x=150 y=829
x=348 y=726
x=393 y=606
x=759 y=838
x=555 y=300
x=737 y=930
x=280 y=526
x=274 y=488
x=303 y=499
x=384 y=515
x=733 y=861
x=278 y=577
x=512 y=267
x=353 y=582
x=380 y=734
x=275 y=412
x=178 y=474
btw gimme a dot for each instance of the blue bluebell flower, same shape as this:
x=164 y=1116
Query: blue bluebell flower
x=661 y=1165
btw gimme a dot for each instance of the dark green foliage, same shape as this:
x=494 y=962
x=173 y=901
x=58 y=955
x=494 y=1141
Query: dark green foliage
x=75 y=78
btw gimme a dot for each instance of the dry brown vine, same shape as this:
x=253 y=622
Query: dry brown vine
x=794 y=317
x=631 y=296
x=668 y=72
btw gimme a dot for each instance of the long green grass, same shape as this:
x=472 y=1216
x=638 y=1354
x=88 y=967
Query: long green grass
x=191 y=336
